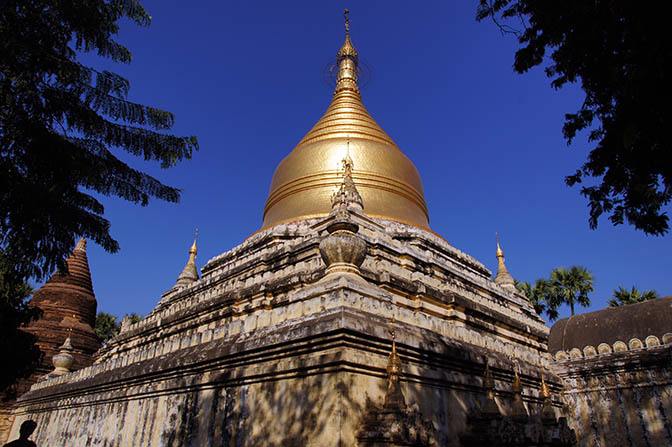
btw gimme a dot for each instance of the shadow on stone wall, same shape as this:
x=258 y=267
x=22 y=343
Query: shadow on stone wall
x=303 y=409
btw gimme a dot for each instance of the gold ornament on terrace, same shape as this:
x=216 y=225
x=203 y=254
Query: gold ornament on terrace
x=387 y=180
x=546 y=412
x=544 y=390
x=489 y=406
x=394 y=362
x=517 y=408
x=394 y=397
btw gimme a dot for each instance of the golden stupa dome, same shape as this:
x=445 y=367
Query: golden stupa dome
x=387 y=180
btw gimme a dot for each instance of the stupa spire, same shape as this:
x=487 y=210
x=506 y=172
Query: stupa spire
x=503 y=277
x=347 y=60
x=388 y=182
x=190 y=272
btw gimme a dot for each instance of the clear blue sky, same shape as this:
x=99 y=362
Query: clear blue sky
x=246 y=78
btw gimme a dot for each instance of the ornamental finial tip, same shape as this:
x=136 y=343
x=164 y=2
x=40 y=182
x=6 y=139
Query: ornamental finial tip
x=193 y=248
x=347 y=20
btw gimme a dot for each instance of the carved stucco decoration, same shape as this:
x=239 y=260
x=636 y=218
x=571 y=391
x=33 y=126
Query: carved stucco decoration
x=604 y=348
x=651 y=341
x=635 y=343
x=589 y=351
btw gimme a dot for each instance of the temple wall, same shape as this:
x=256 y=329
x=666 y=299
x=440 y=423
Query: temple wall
x=325 y=409
x=6 y=420
x=309 y=384
x=620 y=398
x=278 y=413
x=269 y=349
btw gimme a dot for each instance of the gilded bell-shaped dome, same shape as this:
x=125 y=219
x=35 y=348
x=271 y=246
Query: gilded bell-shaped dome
x=387 y=180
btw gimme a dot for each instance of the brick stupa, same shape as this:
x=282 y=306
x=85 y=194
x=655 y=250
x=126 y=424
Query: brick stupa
x=69 y=309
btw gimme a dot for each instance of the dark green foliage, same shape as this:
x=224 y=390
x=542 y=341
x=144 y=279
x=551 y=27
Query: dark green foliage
x=621 y=53
x=570 y=286
x=538 y=295
x=565 y=286
x=134 y=318
x=106 y=326
x=17 y=348
x=61 y=124
x=623 y=296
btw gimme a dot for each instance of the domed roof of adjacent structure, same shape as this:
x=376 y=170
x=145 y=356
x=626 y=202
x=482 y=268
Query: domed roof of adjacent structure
x=388 y=181
x=612 y=324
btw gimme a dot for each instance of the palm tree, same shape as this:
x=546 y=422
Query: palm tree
x=538 y=296
x=624 y=296
x=570 y=286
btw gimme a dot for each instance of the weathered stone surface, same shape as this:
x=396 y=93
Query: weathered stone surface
x=299 y=371
x=620 y=398
x=620 y=392
x=265 y=336
x=513 y=432
x=395 y=428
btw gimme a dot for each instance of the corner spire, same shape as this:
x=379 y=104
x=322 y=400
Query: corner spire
x=190 y=272
x=503 y=277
